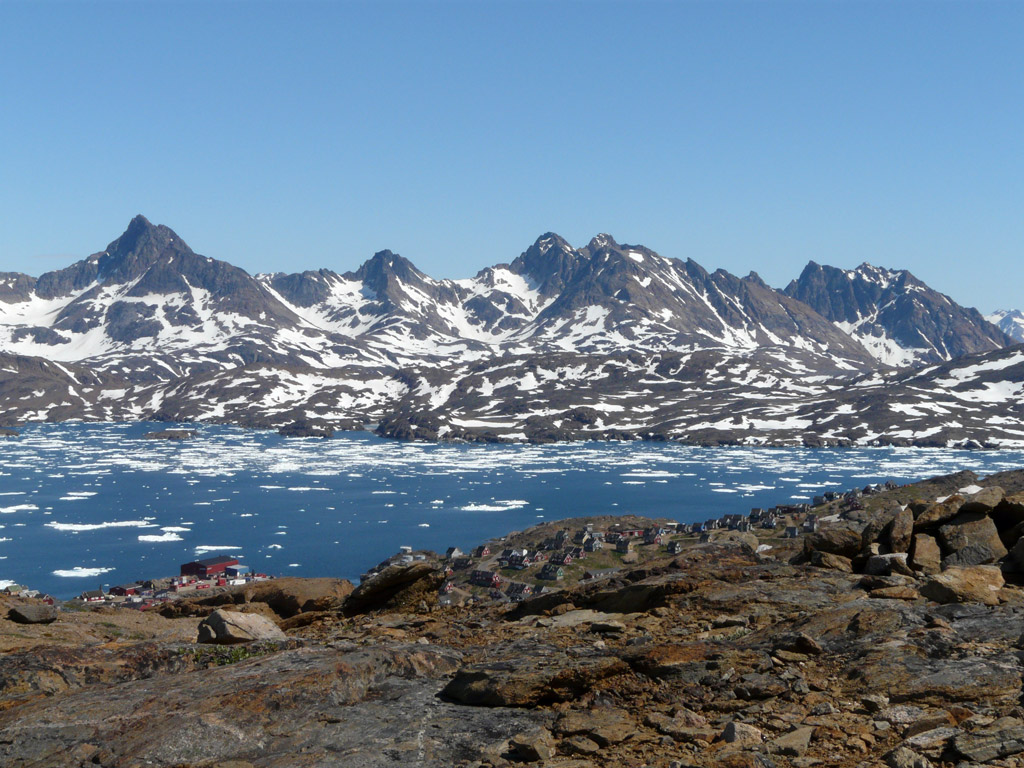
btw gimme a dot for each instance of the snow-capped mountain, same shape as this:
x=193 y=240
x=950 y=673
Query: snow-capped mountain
x=899 y=319
x=607 y=340
x=1009 y=321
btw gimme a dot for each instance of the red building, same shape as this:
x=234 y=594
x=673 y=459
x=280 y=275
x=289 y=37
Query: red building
x=203 y=569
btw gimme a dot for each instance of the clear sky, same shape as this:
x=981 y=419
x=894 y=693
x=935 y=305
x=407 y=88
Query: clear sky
x=283 y=136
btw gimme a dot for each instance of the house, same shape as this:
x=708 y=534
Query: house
x=482 y=551
x=452 y=552
x=485 y=579
x=791 y=532
x=581 y=536
x=560 y=558
x=520 y=560
x=561 y=538
x=624 y=546
x=237 y=571
x=576 y=553
x=593 y=545
x=518 y=591
x=462 y=563
x=810 y=524
x=405 y=550
x=652 y=536
x=675 y=547
x=204 y=569
x=124 y=590
x=552 y=572
x=92 y=596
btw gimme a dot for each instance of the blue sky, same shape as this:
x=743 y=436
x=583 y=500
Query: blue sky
x=744 y=135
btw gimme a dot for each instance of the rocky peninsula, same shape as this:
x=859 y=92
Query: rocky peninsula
x=888 y=632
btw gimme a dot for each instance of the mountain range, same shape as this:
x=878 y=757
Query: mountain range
x=604 y=341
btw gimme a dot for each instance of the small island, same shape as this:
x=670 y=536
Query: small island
x=171 y=434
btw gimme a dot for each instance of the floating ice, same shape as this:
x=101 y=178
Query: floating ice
x=81 y=572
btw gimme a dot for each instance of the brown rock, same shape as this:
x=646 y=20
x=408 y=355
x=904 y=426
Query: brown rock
x=230 y=627
x=899 y=532
x=604 y=726
x=533 y=746
x=975 y=584
x=984 y=501
x=925 y=555
x=895 y=593
x=929 y=722
x=939 y=512
x=828 y=560
x=835 y=540
x=579 y=745
x=396 y=587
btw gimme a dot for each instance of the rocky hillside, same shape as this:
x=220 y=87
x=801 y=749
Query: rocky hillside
x=899 y=319
x=889 y=636
x=605 y=341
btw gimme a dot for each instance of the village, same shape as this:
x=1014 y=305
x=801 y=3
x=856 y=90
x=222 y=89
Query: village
x=506 y=569
x=520 y=565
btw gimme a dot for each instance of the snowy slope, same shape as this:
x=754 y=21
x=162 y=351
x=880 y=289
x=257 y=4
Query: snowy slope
x=1009 y=321
x=607 y=340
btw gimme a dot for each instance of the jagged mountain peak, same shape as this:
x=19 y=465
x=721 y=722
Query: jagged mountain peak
x=141 y=244
x=600 y=241
x=896 y=316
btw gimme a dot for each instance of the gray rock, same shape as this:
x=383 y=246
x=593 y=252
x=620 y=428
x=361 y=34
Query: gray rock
x=33 y=614
x=974 y=530
x=901 y=757
x=231 y=627
x=795 y=743
x=985 y=746
x=885 y=565
x=742 y=734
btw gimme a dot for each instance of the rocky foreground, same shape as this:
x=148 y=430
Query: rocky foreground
x=862 y=645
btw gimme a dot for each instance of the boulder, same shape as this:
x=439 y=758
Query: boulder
x=835 y=540
x=742 y=735
x=533 y=746
x=974 y=584
x=230 y=627
x=984 y=501
x=885 y=565
x=33 y=614
x=901 y=757
x=397 y=587
x=899 y=532
x=834 y=562
x=939 y=512
x=970 y=538
x=925 y=554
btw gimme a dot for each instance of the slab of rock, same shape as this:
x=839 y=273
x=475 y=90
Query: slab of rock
x=932 y=743
x=395 y=587
x=925 y=554
x=985 y=746
x=33 y=614
x=976 y=584
x=603 y=726
x=533 y=746
x=828 y=560
x=230 y=627
x=795 y=743
x=527 y=682
x=742 y=734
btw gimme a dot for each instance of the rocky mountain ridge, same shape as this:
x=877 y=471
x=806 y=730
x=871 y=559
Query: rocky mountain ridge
x=608 y=340
x=1010 y=322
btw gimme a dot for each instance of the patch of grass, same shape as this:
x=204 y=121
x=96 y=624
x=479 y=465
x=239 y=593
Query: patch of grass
x=221 y=655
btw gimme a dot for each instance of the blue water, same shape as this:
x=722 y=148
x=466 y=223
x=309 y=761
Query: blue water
x=76 y=498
